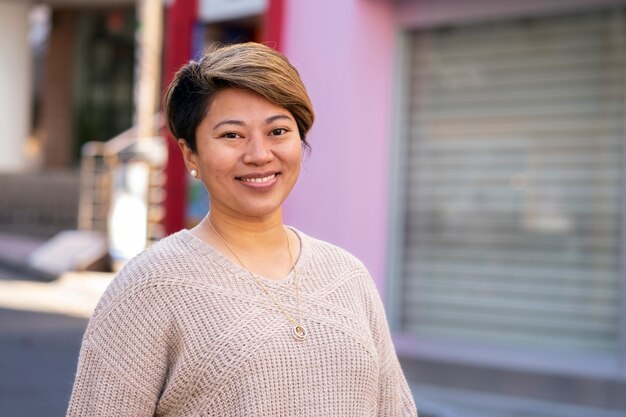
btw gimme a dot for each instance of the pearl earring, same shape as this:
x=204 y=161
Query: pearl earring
x=194 y=173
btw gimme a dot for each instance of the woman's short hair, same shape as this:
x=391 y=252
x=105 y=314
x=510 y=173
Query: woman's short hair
x=251 y=66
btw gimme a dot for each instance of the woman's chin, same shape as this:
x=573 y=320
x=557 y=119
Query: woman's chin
x=251 y=211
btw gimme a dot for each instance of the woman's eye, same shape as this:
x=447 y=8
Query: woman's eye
x=230 y=135
x=279 y=131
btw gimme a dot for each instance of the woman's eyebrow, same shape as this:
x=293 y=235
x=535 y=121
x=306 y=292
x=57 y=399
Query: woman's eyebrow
x=277 y=117
x=229 y=122
x=269 y=120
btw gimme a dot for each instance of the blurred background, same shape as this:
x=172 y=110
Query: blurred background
x=470 y=152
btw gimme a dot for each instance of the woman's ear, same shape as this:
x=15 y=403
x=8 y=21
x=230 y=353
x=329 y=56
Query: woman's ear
x=188 y=155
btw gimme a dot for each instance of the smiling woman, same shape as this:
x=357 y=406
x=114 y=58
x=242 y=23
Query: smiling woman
x=241 y=315
x=247 y=154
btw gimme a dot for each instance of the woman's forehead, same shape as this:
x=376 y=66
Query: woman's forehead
x=243 y=106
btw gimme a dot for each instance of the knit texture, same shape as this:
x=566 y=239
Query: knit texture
x=184 y=331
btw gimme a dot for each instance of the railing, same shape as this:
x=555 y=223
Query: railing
x=121 y=191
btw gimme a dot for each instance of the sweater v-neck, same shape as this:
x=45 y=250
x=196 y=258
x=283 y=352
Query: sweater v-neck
x=206 y=249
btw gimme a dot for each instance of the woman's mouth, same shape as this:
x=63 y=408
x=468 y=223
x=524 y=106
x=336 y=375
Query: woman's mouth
x=262 y=180
x=258 y=180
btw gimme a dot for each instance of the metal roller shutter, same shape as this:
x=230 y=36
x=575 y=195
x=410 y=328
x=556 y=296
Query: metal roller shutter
x=513 y=228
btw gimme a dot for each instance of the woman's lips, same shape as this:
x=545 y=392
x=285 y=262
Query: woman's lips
x=259 y=180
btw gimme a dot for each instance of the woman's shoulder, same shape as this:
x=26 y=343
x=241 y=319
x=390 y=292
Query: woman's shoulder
x=329 y=254
x=163 y=258
x=335 y=269
x=165 y=263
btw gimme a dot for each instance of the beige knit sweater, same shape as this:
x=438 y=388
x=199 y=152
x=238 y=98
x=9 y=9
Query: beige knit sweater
x=183 y=331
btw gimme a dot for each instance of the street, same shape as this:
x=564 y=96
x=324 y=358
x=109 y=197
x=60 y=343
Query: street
x=38 y=350
x=37 y=362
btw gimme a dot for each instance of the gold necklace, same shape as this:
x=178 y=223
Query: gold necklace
x=297 y=330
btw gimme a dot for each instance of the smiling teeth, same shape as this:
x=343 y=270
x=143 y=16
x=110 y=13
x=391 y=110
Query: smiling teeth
x=259 y=180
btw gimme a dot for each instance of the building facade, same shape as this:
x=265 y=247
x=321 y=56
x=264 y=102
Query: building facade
x=472 y=154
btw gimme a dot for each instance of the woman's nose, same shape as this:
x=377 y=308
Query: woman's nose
x=258 y=151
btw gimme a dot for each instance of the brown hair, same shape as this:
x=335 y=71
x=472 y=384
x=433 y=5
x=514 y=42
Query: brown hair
x=251 y=66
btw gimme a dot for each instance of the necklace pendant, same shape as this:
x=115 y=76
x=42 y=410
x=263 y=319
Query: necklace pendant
x=298 y=332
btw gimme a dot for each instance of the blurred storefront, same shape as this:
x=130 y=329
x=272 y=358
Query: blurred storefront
x=472 y=154
x=67 y=79
x=72 y=65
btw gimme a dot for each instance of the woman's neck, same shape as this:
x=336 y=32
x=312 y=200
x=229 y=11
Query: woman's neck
x=258 y=245
x=251 y=233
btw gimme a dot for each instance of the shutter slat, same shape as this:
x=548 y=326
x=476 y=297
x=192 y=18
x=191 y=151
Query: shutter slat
x=514 y=290
x=518 y=273
x=444 y=253
x=504 y=335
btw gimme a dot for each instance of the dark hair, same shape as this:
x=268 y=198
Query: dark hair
x=251 y=66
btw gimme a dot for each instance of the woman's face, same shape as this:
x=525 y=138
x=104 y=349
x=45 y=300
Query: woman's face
x=248 y=154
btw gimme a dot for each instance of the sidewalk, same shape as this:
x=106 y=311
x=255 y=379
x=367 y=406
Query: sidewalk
x=73 y=294
x=41 y=328
x=38 y=362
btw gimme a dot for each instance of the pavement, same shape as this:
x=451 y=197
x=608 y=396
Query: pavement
x=73 y=294
x=42 y=322
x=38 y=356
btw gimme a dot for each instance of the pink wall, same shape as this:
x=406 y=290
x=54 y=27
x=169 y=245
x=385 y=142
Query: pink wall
x=344 y=52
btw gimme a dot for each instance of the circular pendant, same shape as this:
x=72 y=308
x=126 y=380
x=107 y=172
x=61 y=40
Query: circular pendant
x=298 y=332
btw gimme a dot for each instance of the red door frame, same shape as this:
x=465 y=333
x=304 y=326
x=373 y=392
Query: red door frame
x=274 y=21
x=180 y=18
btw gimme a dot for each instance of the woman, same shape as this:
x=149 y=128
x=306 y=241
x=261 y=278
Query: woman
x=240 y=316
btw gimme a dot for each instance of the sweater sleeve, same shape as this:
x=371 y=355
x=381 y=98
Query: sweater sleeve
x=123 y=360
x=99 y=390
x=395 y=398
